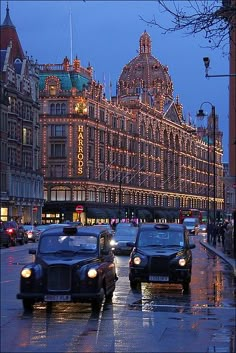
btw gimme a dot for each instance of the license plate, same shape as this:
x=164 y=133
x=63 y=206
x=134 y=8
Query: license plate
x=159 y=278
x=57 y=298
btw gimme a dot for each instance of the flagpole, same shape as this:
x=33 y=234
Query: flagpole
x=71 y=40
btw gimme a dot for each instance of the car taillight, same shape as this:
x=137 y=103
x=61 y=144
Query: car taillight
x=10 y=230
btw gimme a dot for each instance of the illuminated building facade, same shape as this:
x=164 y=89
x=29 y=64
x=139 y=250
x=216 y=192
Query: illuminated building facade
x=130 y=156
x=21 y=181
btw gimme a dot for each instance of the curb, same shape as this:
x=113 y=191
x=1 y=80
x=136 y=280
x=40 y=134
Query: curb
x=219 y=253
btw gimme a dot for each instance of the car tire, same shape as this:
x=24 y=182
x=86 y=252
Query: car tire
x=13 y=242
x=8 y=243
x=97 y=303
x=28 y=304
x=186 y=286
x=22 y=241
x=134 y=284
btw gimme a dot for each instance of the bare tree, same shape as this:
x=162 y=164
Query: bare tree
x=215 y=18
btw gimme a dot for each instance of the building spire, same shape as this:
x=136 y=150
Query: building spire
x=8 y=21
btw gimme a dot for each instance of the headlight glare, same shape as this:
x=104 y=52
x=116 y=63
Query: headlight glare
x=113 y=242
x=26 y=272
x=182 y=262
x=137 y=260
x=92 y=273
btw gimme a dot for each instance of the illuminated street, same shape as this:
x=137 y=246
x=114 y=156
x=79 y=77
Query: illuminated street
x=157 y=319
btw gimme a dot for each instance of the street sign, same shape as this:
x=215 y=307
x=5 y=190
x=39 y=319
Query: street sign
x=79 y=209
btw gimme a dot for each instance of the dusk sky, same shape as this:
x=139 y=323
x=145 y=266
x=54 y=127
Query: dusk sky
x=106 y=35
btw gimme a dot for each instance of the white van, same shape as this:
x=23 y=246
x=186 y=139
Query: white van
x=192 y=224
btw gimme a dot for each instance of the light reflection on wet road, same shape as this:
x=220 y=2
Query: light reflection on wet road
x=158 y=318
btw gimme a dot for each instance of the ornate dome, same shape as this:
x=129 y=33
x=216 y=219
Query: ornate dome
x=145 y=79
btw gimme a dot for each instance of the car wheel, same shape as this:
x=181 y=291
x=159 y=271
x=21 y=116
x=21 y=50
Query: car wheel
x=8 y=243
x=28 y=304
x=186 y=286
x=13 y=241
x=97 y=303
x=134 y=284
x=22 y=241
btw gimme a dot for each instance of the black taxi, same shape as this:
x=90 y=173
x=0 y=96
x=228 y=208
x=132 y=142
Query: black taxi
x=161 y=254
x=71 y=264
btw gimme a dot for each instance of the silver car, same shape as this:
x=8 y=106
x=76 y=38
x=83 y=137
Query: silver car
x=122 y=237
x=31 y=232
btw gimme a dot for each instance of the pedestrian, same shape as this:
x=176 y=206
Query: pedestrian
x=214 y=234
x=228 y=239
x=209 y=231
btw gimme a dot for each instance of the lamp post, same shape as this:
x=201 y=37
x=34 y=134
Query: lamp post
x=201 y=115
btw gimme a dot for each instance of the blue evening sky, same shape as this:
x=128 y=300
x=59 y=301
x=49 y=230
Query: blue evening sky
x=106 y=35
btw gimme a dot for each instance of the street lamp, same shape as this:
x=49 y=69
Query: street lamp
x=201 y=115
x=206 y=61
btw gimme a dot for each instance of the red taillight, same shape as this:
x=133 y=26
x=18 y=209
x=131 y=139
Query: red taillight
x=10 y=230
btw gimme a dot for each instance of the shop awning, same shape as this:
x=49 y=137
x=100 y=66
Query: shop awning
x=114 y=213
x=143 y=213
x=159 y=214
x=97 y=213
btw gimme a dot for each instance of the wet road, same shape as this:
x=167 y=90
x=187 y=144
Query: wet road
x=155 y=319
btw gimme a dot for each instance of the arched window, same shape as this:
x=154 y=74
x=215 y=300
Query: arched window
x=92 y=195
x=60 y=193
x=52 y=109
x=79 y=194
x=58 y=109
x=102 y=195
x=63 y=109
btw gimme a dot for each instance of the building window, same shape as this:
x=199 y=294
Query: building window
x=102 y=196
x=91 y=195
x=79 y=194
x=57 y=130
x=101 y=136
x=91 y=133
x=102 y=115
x=91 y=111
x=58 y=150
x=58 y=170
x=60 y=194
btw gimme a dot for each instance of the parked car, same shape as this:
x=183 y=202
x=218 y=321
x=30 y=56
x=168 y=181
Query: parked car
x=15 y=233
x=121 y=238
x=31 y=232
x=106 y=226
x=192 y=224
x=125 y=225
x=202 y=229
x=72 y=264
x=161 y=254
x=5 y=239
x=40 y=228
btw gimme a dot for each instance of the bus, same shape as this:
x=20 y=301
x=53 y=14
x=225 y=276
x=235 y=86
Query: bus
x=193 y=213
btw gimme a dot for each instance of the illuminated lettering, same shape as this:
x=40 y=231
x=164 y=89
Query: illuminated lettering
x=80 y=146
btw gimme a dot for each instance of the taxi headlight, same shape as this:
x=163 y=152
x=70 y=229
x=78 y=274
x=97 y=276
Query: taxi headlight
x=26 y=272
x=113 y=242
x=92 y=273
x=137 y=260
x=182 y=262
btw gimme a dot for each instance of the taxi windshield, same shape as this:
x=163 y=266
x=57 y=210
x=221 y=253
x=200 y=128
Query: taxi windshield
x=163 y=238
x=68 y=243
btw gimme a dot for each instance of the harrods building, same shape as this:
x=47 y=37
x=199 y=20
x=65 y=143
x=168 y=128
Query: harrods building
x=132 y=155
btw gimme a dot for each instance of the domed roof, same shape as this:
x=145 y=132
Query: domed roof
x=145 y=78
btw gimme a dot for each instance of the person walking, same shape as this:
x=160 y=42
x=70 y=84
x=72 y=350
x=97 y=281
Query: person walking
x=228 y=239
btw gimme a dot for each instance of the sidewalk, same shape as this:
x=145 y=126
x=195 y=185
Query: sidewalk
x=218 y=250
